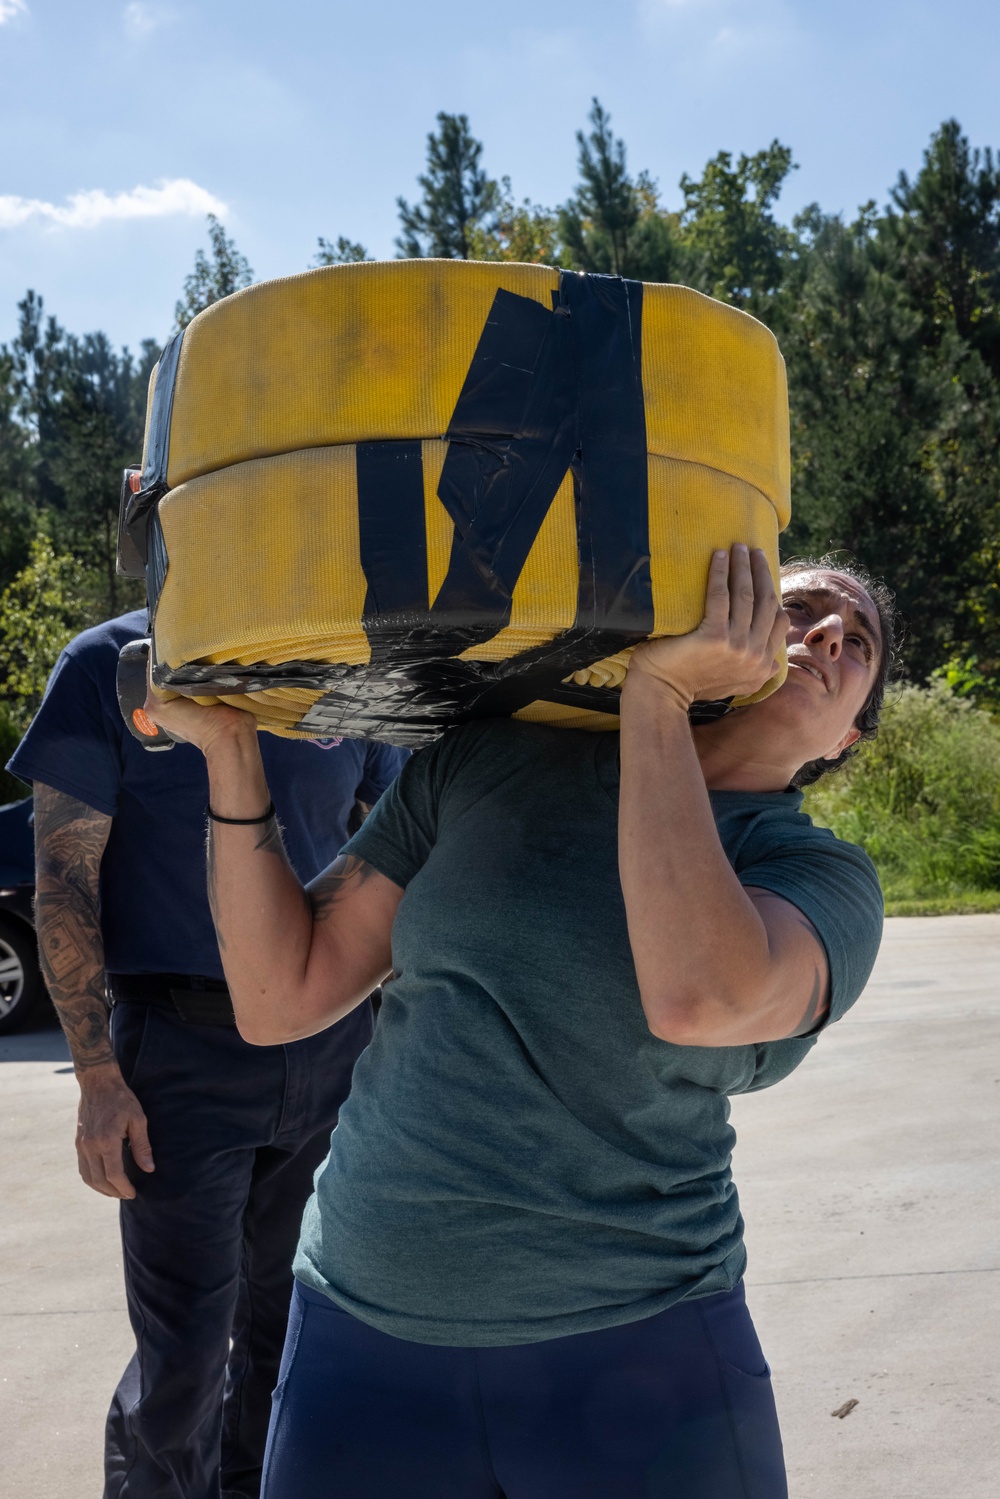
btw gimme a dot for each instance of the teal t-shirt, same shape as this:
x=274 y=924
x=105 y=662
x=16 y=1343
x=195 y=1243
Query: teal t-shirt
x=520 y=1159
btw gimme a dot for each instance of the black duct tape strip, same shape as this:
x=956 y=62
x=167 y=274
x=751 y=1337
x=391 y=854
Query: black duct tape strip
x=545 y=393
x=537 y=379
x=156 y=563
x=511 y=438
x=393 y=538
x=154 y=474
x=612 y=467
x=129 y=561
x=412 y=705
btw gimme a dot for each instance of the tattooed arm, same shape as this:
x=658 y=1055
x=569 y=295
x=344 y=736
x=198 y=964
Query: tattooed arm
x=70 y=838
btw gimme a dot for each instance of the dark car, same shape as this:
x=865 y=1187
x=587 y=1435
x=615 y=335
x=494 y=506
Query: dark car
x=21 y=986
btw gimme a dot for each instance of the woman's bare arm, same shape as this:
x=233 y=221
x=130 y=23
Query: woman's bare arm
x=717 y=965
x=295 y=960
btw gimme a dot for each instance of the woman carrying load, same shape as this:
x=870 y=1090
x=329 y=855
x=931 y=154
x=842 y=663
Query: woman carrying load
x=520 y=1276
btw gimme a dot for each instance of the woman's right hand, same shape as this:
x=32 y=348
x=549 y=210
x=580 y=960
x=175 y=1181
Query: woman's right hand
x=737 y=646
x=198 y=724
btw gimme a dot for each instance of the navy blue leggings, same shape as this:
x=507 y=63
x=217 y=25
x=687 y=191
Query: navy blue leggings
x=677 y=1406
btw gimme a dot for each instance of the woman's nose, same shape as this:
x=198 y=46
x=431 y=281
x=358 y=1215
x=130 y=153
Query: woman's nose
x=828 y=632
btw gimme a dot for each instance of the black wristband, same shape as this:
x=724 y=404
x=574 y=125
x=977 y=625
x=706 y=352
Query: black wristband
x=242 y=822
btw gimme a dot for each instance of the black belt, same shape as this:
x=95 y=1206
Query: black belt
x=189 y=996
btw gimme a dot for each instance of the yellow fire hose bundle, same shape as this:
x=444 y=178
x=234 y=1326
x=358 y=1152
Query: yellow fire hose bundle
x=380 y=498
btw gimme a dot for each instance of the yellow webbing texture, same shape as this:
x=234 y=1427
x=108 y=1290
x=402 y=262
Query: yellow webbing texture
x=277 y=384
x=715 y=393
x=344 y=354
x=264 y=564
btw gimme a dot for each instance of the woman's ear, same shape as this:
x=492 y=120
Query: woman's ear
x=851 y=737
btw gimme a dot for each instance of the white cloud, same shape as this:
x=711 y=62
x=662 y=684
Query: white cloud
x=144 y=16
x=11 y=8
x=88 y=209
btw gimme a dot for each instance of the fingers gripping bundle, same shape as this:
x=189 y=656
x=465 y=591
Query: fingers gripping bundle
x=380 y=498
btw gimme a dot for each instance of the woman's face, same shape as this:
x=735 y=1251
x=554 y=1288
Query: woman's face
x=834 y=646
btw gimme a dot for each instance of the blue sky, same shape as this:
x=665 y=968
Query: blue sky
x=123 y=121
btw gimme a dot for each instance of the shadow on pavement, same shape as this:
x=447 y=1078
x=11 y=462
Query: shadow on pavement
x=41 y=1040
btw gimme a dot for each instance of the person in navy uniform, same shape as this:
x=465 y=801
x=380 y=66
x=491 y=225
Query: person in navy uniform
x=208 y=1143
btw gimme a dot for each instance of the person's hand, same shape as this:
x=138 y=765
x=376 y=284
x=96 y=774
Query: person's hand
x=736 y=647
x=198 y=724
x=110 y=1114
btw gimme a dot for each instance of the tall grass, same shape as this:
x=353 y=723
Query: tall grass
x=924 y=798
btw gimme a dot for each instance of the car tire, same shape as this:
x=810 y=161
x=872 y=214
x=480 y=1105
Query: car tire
x=21 y=986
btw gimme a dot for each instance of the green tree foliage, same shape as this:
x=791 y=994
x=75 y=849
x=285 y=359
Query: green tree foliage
x=890 y=326
x=924 y=798
x=943 y=236
x=895 y=428
x=41 y=610
x=76 y=417
x=966 y=679
x=876 y=417
x=343 y=252
x=735 y=248
x=214 y=277
x=523 y=232
x=458 y=197
x=17 y=509
x=613 y=223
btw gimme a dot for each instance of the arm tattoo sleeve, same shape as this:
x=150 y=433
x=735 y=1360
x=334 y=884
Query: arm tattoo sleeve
x=270 y=840
x=70 y=838
x=333 y=884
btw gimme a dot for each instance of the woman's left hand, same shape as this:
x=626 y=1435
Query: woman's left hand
x=736 y=647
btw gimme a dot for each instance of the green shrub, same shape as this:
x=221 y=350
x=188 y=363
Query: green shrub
x=924 y=798
x=41 y=609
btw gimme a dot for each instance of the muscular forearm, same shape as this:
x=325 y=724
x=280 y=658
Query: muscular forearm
x=262 y=916
x=699 y=946
x=69 y=842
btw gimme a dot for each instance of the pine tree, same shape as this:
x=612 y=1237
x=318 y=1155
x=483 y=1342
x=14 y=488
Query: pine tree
x=614 y=224
x=944 y=234
x=211 y=280
x=885 y=445
x=79 y=413
x=17 y=507
x=458 y=197
x=343 y=252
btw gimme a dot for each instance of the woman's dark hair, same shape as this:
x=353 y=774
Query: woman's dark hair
x=888 y=663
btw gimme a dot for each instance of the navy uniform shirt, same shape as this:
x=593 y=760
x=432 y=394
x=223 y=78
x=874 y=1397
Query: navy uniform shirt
x=154 y=907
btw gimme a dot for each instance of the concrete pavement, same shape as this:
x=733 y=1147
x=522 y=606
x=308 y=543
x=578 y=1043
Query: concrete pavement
x=869 y=1187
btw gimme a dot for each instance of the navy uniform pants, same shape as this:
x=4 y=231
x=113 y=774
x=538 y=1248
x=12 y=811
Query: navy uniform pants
x=677 y=1406
x=237 y=1132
